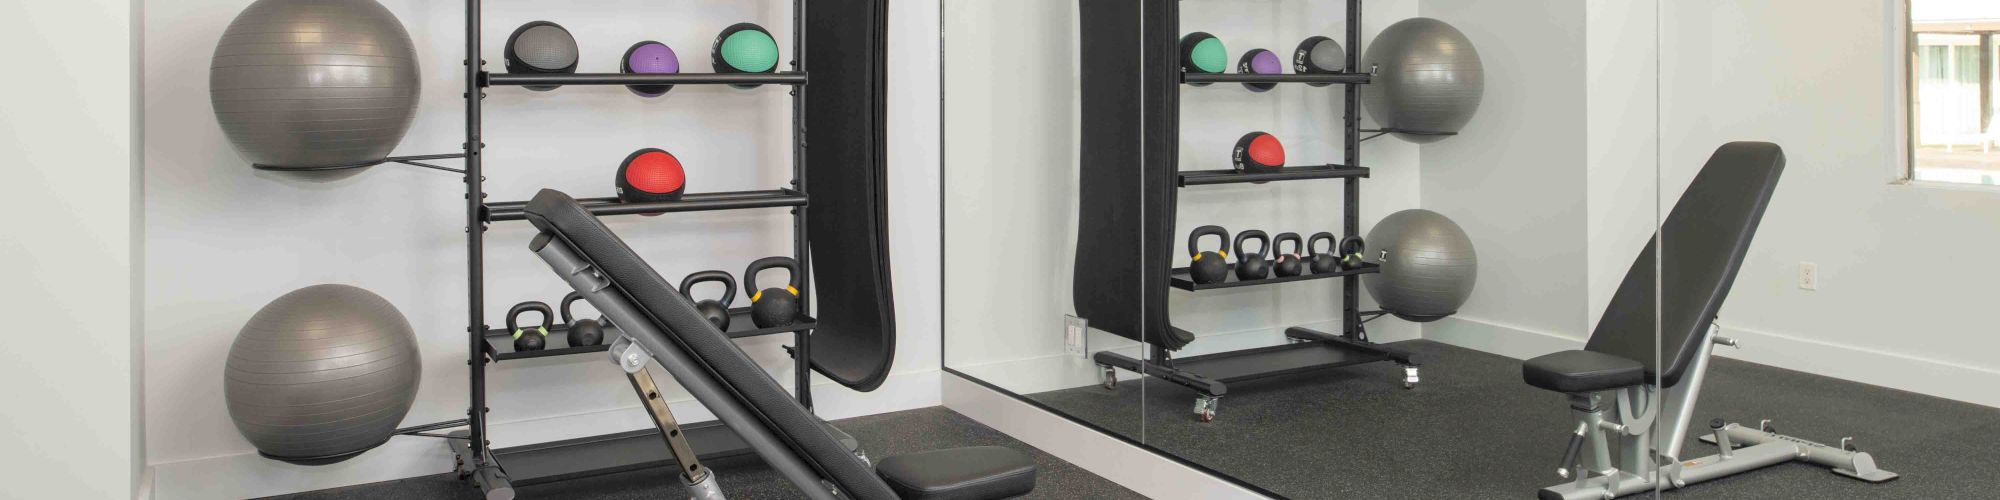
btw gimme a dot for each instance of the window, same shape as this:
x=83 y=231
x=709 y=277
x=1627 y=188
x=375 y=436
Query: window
x=1954 y=136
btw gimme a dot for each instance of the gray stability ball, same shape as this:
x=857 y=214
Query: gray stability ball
x=314 y=83
x=322 y=374
x=1428 y=265
x=1427 y=78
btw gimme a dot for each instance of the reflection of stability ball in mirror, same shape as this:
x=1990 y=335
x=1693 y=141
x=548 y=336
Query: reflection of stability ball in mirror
x=321 y=374
x=293 y=90
x=1428 y=265
x=1428 y=79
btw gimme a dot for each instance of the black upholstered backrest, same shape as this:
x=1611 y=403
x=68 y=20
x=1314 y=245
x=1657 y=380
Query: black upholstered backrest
x=560 y=216
x=1704 y=239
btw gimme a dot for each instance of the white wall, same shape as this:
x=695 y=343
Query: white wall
x=1622 y=141
x=1903 y=298
x=1515 y=177
x=1011 y=160
x=224 y=240
x=70 y=363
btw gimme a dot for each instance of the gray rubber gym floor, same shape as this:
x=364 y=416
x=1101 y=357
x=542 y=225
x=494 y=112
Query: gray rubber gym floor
x=745 y=477
x=1472 y=429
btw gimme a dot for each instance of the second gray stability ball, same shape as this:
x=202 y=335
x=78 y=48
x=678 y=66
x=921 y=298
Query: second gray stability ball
x=314 y=83
x=1428 y=265
x=1428 y=78
x=322 y=374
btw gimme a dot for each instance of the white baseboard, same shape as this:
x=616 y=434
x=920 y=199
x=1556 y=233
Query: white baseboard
x=249 y=475
x=1128 y=465
x=1929 y=377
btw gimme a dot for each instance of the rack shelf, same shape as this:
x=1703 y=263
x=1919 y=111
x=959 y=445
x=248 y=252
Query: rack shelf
x=1329 y=171
x=524 y=79
x=694 y=202
x=500 y=342
x=1181 y=280
x=1341 y=78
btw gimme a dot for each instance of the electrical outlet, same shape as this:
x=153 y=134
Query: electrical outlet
x=1076 y=333
x=1808 y=276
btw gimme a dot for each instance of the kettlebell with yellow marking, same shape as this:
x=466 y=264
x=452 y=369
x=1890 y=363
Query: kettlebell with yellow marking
x=1208 y=268
x=773 y=307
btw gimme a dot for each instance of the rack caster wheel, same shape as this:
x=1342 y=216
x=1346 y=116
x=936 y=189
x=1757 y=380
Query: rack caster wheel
x=1410 y=377
x=458 y=466
x=1108 y=376
x=1206 y=406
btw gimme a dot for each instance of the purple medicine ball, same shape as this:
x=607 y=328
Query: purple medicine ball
x=1262 y=62
x=650 y=57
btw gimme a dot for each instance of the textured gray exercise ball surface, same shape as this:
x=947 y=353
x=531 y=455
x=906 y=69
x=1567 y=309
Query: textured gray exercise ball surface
x=1428 y=265
x=314 y=83
x=1428 y=78
x=322 y=373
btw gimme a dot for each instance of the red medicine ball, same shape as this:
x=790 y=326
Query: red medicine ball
x=651 y=175
x=1258 y=152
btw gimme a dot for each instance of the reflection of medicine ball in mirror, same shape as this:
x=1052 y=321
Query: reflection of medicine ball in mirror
x=651 y=175
x=1319 y=55
x=745 y=48
x=1203 y=53
x=1258 y=153
x=649 y=57
x=1428 y=78
x=541 y=47
x=1260 y=62
x=342 y=96
x=1428 y=265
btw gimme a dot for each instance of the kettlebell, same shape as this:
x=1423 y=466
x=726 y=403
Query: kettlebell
x=533 y=339
x=1208 y=268
x=773 y=307
x=713 y=310
x=1292 y=263
x=582 y=332
x=1253 y=266
x=1322 y=262
x=1350 y=252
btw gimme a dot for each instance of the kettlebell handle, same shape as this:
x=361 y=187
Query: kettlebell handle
x=1352 y=245
x=1298 y=243
x=1312 y=243
x=728 y=285
x=1263 y=240
x=567 y=319
x=514 y=315
x=1221 y=239
x=750 y=275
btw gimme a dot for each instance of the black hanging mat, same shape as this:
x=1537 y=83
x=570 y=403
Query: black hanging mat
x=847 y=221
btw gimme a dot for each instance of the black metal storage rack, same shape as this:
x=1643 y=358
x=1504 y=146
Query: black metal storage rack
x=624 y=450
x=1307 y=349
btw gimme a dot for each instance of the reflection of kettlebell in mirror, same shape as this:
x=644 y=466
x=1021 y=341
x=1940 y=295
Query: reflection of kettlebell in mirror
x=773 y=307
x=1288 y=264
x=1350 y=252
x=1322 y=262
x=714 y=310
x=1208 y=268
x=582 y=332
x=532 y=339
x=1252 y=266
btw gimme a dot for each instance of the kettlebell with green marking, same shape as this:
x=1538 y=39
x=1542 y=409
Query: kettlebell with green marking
x=745 y=48
x=530 y=339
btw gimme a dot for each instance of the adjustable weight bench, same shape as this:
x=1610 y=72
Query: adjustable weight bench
x=1704 y=241
x=656 y=324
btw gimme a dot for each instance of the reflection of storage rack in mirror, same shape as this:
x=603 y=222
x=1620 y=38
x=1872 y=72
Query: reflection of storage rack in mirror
x=1117 y=208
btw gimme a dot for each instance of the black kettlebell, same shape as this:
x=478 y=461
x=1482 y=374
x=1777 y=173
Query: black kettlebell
x=715 y=311
x=1322 y=262
x=1208 y=268
x=773 y=307
x=1288 y=264
x=582 y=332
x=1253 y=266
x=533 y=339
x=1350 y=252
